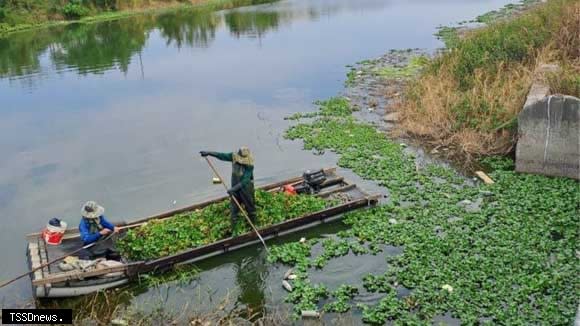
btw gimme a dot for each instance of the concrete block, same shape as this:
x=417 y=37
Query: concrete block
x=549 y=136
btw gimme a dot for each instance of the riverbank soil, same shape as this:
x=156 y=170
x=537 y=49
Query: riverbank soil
x=470 y=96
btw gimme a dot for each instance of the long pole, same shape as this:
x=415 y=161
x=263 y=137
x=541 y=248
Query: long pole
x=236 y=202
x=51 y=262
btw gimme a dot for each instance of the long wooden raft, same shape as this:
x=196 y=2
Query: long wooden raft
x=51 y=280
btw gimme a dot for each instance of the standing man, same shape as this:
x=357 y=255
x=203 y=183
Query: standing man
x=242 y=181
x=94 y=227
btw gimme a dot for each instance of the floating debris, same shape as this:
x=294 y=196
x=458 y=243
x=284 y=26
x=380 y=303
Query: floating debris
x=484 y=177
x=288 y=273
x=310 y=314
x=287 y=286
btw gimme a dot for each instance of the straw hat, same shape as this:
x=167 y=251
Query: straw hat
x=243 y=156
x=92 y=210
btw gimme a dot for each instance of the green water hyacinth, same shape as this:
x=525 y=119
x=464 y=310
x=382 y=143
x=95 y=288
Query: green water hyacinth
x=342 y=297
x=212 y=223
x=509 y=256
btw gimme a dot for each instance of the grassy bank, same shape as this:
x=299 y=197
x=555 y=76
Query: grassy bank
x=501 y=254
x=21 y=15
x=469 y=97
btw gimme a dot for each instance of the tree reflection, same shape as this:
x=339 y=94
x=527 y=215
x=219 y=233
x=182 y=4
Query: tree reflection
x=20 y=54
x=111 y=45
x=251 y=23
x=194 y=29
x=99 y=47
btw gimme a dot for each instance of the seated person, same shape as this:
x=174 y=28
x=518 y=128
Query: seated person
x=95 y=228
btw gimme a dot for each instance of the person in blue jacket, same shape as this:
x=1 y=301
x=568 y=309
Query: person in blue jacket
x=95 y=228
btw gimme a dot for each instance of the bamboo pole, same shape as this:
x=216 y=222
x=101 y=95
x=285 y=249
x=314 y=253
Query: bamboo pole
x=236 y=202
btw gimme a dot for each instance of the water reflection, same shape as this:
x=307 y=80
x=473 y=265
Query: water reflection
x=193 y=29
x=250 y=273
x=253 y=24
x=112 y=45
x=96 y=48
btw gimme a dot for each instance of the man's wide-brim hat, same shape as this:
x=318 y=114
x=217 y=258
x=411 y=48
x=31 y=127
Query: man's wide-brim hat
x=92 y=210
x=244 y=156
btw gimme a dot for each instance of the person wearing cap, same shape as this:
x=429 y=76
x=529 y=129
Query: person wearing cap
x=242 y=181
x=94 y=227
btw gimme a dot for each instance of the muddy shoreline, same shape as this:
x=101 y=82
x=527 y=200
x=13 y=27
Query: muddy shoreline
x=376 y=97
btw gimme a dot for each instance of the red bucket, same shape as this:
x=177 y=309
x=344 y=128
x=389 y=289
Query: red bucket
x=53 y=234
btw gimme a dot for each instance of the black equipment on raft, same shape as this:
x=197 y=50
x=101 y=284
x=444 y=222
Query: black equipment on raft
x=312 y=183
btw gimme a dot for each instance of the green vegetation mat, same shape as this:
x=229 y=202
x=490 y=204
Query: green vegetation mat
x=212 y=223
x=501 y=254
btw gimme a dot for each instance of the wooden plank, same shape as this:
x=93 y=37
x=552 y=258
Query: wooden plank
x=43 y=256
x=35 y=262
x=333 y=191
x=76 y=275
x=484 y=177
x=37 y=275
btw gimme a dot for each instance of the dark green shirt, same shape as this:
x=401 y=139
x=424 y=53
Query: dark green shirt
x=243 y=174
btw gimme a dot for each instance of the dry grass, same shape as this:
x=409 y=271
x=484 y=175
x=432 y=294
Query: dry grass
x=469 y=98
x=567 y=39
x=566 y=50
x=475 y=121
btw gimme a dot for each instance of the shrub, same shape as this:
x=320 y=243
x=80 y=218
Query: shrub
x=75 y=9
x=510 y=41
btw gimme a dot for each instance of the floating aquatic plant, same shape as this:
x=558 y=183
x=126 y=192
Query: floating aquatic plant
x=212 y=223
x=510 y=257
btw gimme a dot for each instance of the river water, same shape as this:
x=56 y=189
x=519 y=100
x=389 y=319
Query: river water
x=117 y=111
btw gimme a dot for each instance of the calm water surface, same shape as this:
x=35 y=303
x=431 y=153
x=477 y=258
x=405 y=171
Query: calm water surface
x=117 y=111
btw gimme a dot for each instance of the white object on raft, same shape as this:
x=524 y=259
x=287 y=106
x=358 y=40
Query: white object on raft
x=310 y=314
x=287 y=286
x=216 y=180
x=292 y=277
